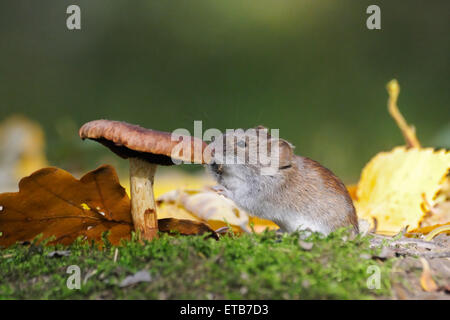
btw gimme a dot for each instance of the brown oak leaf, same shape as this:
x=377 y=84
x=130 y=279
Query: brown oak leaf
x=52 y=202
x=185 y=227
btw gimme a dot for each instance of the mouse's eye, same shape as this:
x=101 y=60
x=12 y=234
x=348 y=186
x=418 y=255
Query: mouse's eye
x=241 y=144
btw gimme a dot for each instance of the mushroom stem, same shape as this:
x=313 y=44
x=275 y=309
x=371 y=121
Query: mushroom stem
x=143 y=208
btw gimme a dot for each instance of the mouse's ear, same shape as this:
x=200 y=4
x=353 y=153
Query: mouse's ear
x=286 y=154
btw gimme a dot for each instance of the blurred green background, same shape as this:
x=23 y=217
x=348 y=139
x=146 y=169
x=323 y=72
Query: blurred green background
x=310 y=68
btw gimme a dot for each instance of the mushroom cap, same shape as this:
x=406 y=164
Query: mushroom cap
x=132 y=141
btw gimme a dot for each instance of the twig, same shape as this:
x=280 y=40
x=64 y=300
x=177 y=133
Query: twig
x=409 y=132
x=377 y=239
x=436 y=231
x=426 y=280
x=428 y=255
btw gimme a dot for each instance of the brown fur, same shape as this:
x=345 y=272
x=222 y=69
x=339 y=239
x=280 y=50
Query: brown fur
x=310 y=186
x=335 y=184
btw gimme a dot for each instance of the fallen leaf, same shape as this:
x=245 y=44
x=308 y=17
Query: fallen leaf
x=352 y=191
x=408 y=186
x=207 y=206
x=22 y=150
x=426 y=280
x=222 y=230
x=437 y=210
x=185 y=227
x=140 y=276
x=210 y=207
x=392 y=183
x=52 y=202
x=436 y=231
x=58 y=254
x=260 y=225
x=431 y=231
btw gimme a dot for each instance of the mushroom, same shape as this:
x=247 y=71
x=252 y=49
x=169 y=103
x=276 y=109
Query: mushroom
x=145 y=149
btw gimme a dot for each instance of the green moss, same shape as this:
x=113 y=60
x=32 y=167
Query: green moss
x=252 y=266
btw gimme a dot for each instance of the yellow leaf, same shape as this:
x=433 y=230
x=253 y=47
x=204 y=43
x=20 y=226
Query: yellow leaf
x=352 y=191
x=431 y=231
x=22 y=150
x=208 y=206
x=394 y=184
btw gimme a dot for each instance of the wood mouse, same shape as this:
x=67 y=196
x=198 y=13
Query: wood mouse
x=299 y=193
